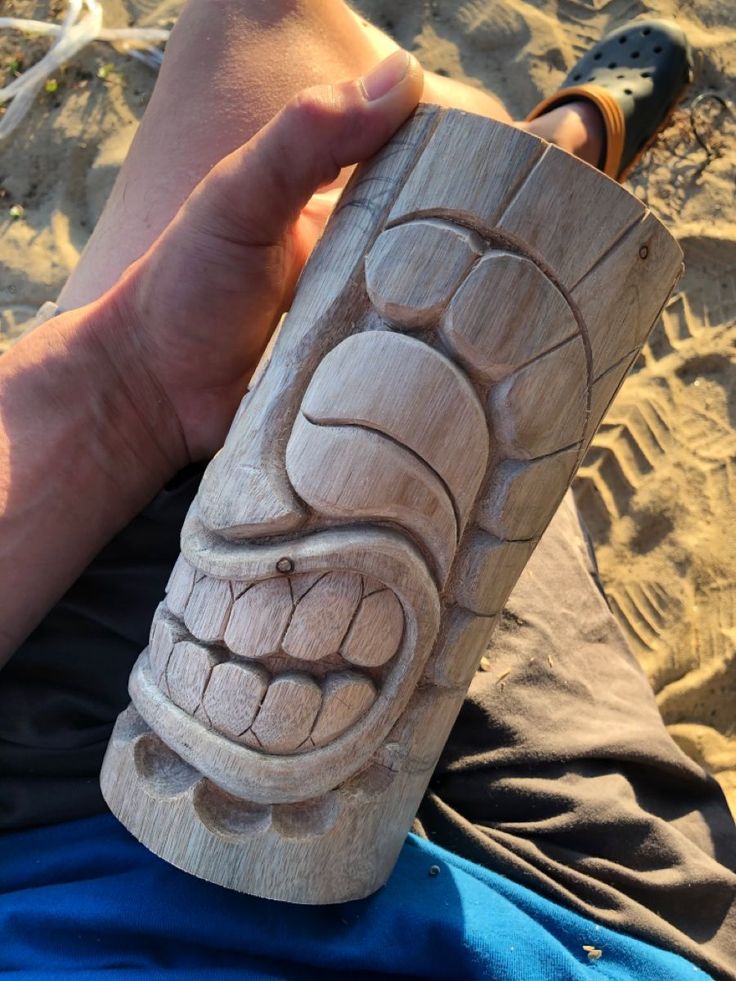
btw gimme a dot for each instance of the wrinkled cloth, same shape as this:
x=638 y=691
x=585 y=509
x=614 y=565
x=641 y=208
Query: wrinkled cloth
x=562 y=775
x=84 y=900
x=559 y=774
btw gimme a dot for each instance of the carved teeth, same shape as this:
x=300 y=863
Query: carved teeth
x=208 y=609
x=371 y=585
x=180 y=585
x=322 y=618
x=309 y=616
x=346 y=697
x=234 y=695
x=375 y=633
x=164 y=634
x=187 y=673
x=288 y=713
x=259 y=618
x=303 y=583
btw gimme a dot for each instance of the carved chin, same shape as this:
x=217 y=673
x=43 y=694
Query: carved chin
x=284 y=665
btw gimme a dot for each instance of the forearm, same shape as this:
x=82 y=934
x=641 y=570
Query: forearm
x=85 y=442
x=98 y=408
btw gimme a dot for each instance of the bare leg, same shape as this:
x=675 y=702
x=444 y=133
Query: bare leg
x=229 y=67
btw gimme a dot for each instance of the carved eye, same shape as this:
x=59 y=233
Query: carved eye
x=413 y=270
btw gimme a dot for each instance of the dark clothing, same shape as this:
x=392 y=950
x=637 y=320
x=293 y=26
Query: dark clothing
x=559 y=774
x=61 y=692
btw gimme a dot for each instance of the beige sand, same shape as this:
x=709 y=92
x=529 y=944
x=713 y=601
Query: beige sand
x=657 y=488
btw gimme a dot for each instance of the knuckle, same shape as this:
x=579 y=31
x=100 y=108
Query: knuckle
x=216 y=205
x=317 y=108
x=215 y=190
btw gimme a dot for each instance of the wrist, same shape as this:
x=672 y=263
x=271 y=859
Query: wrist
x=136 y=404
x=84 y=446
x=96 y=378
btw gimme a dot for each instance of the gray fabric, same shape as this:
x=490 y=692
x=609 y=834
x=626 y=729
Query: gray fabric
x=561 y=775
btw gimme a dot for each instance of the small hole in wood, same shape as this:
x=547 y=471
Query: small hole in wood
x=658 y=49
x=634 y=54
x=597 y=56
x=646 y=74
x=285 y=565
x=646 y=31
x=628 y=92
x=643 y=252
x=612 y=64
x=622 y=39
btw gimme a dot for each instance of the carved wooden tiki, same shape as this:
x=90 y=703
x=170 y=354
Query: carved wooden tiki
x=465 y=321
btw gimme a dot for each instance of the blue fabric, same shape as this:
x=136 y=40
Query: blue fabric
x=84 y=900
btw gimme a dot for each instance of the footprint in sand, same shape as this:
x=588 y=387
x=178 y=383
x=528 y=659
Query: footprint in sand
x=658 y=492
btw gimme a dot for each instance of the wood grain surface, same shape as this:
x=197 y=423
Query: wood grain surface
x=471 y=309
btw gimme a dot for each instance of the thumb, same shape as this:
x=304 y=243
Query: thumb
x=254 y=195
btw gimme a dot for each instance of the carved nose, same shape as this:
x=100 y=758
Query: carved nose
x=390 y=430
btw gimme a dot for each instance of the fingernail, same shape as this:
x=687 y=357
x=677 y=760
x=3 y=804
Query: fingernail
x=386 y=75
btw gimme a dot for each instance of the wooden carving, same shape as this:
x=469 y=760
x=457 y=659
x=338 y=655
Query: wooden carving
x=471 y=310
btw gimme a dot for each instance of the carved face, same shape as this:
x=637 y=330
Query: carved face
x=302 y=654
x=445 y=361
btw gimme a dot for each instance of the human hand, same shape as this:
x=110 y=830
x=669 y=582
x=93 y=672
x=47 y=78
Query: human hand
x=195 y=313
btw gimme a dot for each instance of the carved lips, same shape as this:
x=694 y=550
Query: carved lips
x=284 y=665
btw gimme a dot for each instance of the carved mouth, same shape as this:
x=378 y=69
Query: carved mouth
x=283 y=665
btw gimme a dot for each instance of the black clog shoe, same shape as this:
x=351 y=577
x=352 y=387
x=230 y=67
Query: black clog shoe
x=635 y=76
